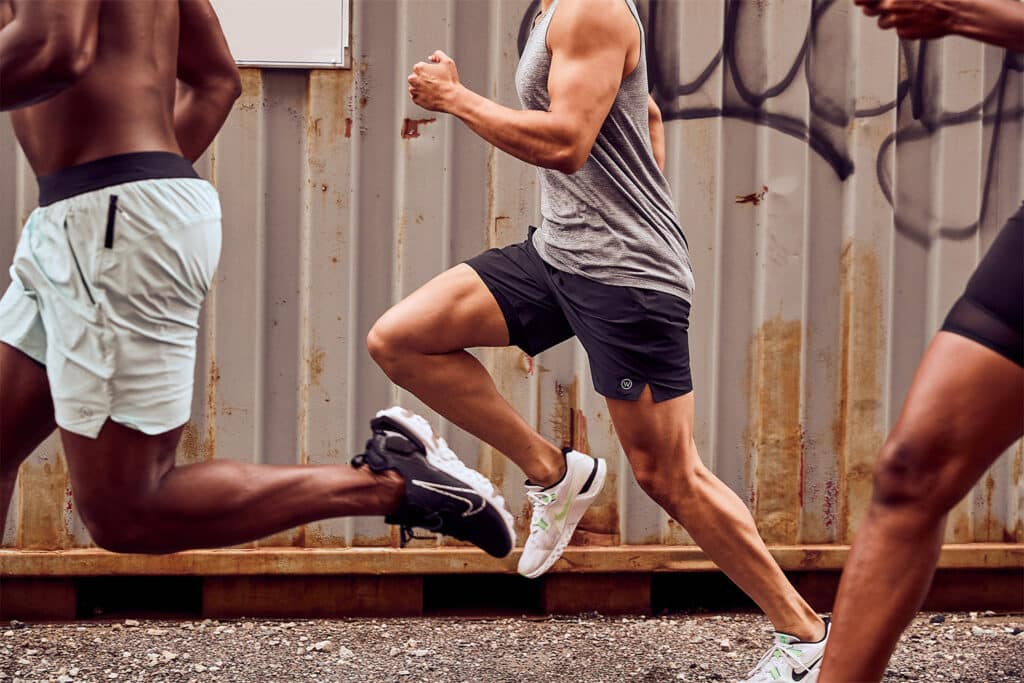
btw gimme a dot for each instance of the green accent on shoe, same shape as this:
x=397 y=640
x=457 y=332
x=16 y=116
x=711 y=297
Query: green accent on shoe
x=565 y=508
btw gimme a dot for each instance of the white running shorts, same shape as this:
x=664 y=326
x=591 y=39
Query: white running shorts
x=106 y=293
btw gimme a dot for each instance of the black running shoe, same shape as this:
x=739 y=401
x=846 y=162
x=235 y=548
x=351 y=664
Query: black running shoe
x=441 y=494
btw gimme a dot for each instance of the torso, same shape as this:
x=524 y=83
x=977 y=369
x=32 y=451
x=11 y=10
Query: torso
x=123 y=103
x=614 y=220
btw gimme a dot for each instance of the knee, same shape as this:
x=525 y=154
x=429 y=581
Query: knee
x=907 y=476
x=114 y=524
x=386 y=346
x=667 y=483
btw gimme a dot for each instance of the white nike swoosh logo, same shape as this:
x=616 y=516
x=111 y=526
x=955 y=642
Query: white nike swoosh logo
x=452 y=492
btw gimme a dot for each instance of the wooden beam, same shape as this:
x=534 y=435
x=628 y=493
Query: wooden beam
x=328 y=561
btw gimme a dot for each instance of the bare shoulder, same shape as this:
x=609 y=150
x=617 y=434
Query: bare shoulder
x=581 y=23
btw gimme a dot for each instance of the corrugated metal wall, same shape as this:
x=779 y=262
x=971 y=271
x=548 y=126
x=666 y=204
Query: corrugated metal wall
x=836 y=186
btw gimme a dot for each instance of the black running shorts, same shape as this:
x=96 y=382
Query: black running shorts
x=991 y=311
x=633 y=337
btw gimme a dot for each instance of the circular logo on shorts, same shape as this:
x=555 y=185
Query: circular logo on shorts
x=626 y=384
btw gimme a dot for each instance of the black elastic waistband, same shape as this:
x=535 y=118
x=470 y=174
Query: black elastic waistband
x=108 y=171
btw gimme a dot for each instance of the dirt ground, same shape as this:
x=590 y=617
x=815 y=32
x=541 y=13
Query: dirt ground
x=983 y=647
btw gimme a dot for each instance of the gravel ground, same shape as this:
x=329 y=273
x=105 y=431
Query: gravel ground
x=963 y=647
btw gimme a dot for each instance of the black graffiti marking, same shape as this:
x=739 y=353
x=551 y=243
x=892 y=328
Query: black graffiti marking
x=824 y=131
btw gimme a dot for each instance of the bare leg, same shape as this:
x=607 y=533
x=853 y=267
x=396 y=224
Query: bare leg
x=419 y=344
x=658 y=439
x=133 y=498
x=26 y=417
x=965 y=407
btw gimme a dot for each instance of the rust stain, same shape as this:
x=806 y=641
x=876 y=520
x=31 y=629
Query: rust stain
x=411 y=127
x=1016 y=533
x=364 y=541
x=775 y=430
x=325 y=89
x=211 y=411
x=252 y=86
x=991 y=522
x=315 y=362
x=563 y=413
x=43 y=486
x=526 y=363
x=829 y=506
x=857 y=429
x=754 y=198
x=191 y=448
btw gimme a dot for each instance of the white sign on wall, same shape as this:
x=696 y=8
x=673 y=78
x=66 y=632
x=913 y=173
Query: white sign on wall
x=287 y=33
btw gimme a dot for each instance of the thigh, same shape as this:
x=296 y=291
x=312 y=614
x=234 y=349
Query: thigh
x=112 y=473
x=964 y=409
x=26 y=409
x=495 y=299
x=991 y=311
x=635 y=338
x=453 y=311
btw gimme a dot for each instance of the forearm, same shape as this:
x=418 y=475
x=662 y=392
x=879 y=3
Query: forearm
x=199 y=114
x=536 y=137
x=657 y=128
x=997 y=22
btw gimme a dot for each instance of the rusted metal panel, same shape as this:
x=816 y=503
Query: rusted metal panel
x=836 y=187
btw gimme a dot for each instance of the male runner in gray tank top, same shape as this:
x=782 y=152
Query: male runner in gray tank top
x=608 y=264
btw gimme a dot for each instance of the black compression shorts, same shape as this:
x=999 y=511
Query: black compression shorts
x=991 y=310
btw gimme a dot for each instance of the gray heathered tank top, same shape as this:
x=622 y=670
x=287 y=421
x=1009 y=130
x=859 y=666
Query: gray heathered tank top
x=613 y=221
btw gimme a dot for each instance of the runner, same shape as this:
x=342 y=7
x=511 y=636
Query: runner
x=964 y=409
x=111 y=101
x=609 y=265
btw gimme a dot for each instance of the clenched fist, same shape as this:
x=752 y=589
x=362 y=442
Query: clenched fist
x=912 y=19
x=434 y=84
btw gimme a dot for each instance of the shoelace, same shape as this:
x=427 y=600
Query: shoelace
x=539 y=499
x=782 y=654
x=465 y=473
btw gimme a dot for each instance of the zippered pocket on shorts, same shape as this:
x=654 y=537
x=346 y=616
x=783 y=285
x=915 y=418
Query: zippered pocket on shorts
x=108 y=239
x=78 y=265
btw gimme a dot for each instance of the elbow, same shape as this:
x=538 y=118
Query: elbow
x=227 y=84
x=568 y=159
x=233 y=84
x=64 y=63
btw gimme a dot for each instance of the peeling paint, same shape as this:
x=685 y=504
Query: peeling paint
x=754 y=198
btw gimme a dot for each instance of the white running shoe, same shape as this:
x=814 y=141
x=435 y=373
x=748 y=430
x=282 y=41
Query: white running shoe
x=790 y=660
x=558 y=509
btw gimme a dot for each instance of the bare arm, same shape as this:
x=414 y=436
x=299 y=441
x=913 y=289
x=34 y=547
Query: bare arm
x=208 y=80
x=997 y=22
x=657 y=127
x=45 y=47
x=588 y=56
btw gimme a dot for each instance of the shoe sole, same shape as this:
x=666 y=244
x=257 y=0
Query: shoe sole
x=579 y=507
x=428 y=440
